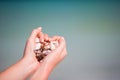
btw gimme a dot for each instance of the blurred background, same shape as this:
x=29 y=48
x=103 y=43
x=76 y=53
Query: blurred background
x=91 y=30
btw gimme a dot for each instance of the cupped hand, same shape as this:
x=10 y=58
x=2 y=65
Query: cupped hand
x=41 y=70
x=29 y=55
x=29 y=64
x=51 y=60
x=58 y=54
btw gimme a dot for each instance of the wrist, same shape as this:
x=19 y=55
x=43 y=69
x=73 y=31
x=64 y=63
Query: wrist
x=42 y=72
x=19 y=71
x=29 y=65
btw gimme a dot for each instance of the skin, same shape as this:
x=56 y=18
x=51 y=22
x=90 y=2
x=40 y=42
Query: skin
x=28 y=64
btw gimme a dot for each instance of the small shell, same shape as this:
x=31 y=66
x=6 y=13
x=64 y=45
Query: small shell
x=42 y=49
x=55 y=43
x=46 y=52
x=52 y=46
x=37 y=40
x=47 y=47
x=38 y=46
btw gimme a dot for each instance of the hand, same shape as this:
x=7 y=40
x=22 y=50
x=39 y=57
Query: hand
x=29 y=65
x=29 y=55
x=51 y=60
x=58 y=55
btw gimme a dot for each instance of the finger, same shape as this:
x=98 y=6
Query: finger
x=61 y=41
x=50 y=39
x=46 y=38
x=63 y=54
x=61 y=46
x=55 y=55
x=41 y=36
x=35 y=32
x=39 y=28
x=33 y=35
x=55 y=38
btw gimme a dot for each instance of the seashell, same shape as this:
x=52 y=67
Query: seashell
x=38 y=45
x=47 y=46
x=37 y=40
x=52 y=46
x=44 y=48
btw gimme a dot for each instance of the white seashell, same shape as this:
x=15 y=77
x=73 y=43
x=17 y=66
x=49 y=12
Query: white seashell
x=55 y=43
x=52 y=46
x=44 y=48
x=47 y=47
x=44 y=51
x=38 y=45
x=47 y=52
x=37 y=40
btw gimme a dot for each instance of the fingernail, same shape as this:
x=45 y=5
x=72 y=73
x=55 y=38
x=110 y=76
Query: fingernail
x=39 y=28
